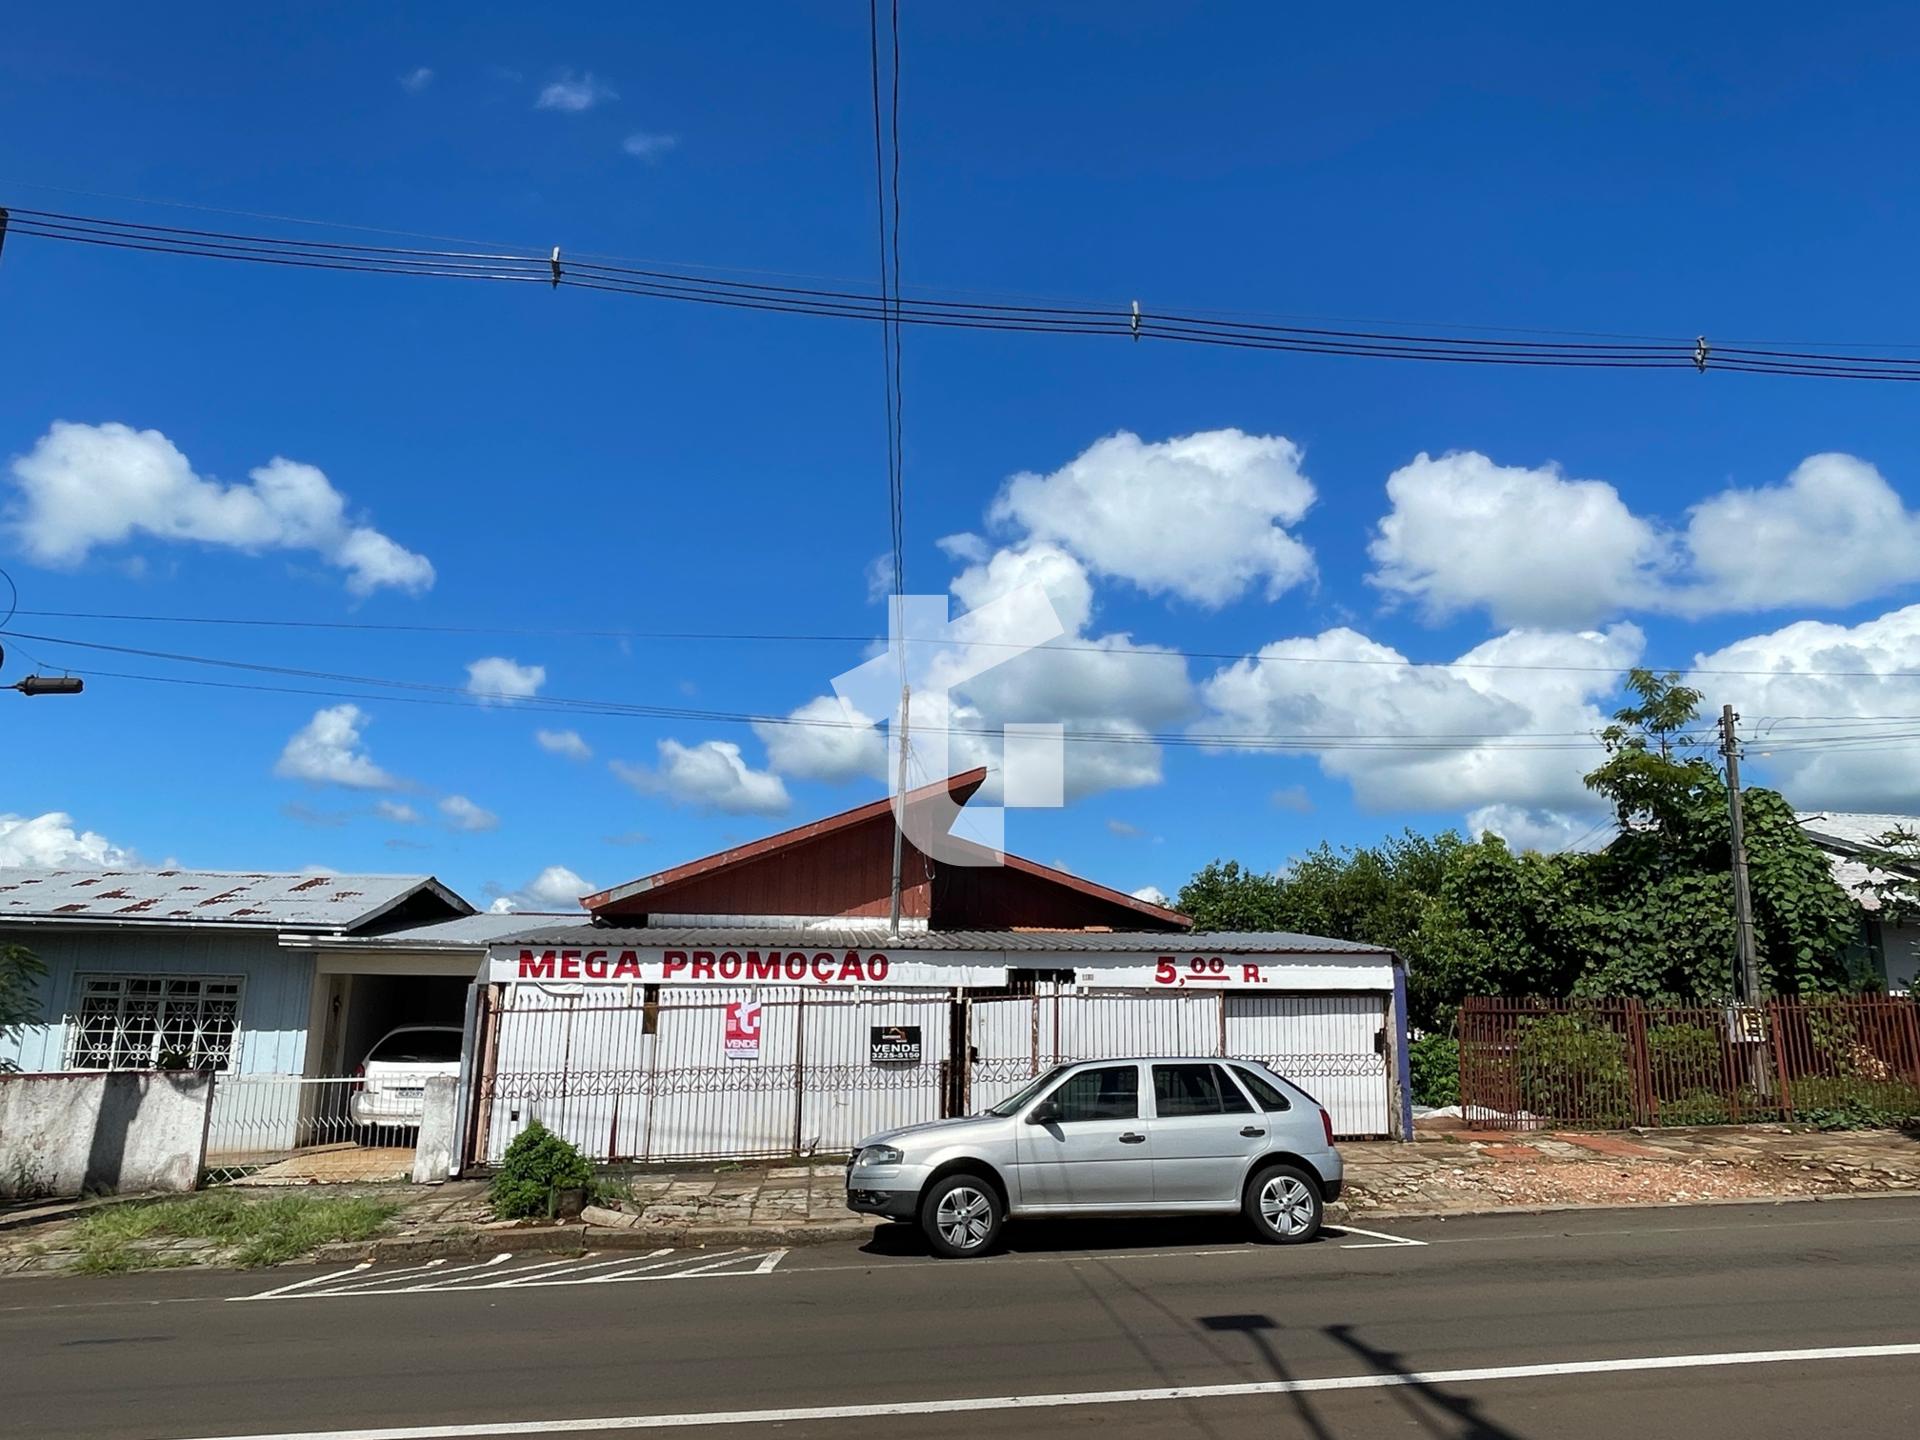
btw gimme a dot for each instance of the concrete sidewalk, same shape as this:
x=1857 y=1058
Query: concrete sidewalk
x=1452 y=1171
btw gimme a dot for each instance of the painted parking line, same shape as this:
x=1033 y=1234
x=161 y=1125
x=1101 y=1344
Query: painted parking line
x=1380 y=1241
x=1370 y=1380
x=436 y=1278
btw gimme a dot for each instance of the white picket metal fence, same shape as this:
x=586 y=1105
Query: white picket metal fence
x=1333 y=1046
x=257 y=1120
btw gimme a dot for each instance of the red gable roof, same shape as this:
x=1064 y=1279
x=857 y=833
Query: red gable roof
x=842 y=865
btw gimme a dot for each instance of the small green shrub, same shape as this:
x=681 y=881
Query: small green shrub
x=536 y=1164
x=1846 y=1104
x=1695 y=1107
x=1573 y=1068
x=1684 y=1059
x=1435 y=1063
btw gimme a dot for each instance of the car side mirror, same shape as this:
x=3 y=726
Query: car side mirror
x=1045 y=1113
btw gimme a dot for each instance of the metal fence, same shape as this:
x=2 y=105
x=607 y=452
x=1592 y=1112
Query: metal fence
x=670 y=1074
x=258 y=1120
x=1335 y=1047
x=1608 y=1064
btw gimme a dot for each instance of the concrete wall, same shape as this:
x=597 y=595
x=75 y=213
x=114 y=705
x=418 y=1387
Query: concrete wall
x=128 y=1131
x=275 y=996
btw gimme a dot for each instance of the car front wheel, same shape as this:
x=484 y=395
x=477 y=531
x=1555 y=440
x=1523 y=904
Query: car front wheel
x=961 y=1216
x=1283 y=1205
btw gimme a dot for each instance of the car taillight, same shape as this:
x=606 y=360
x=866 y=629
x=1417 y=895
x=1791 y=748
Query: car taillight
x=1326 y=1124
x=359 y=1077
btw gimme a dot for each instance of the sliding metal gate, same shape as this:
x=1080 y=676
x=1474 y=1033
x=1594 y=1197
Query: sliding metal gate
x=667 y=1072
x=1335 y=1047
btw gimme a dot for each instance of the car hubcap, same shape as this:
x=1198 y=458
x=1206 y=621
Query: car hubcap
x=1287 y=1205
x=964 y=1217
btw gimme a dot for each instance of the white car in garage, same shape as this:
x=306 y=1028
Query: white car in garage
x=393 y=1078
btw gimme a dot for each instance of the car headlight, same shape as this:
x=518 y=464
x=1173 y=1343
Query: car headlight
x=878 y=1155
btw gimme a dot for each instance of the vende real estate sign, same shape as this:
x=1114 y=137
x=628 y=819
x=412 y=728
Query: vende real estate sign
x=850 y=968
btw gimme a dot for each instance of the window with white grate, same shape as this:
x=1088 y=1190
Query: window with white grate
x=145 y=1022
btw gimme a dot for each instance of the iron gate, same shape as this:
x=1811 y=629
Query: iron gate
x=664 y=1073
x=1335 y=1047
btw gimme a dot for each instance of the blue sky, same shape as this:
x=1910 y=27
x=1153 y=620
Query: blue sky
x=566 y=461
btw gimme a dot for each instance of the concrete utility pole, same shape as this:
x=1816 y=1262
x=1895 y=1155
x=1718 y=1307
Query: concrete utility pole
x=1747 y=973
x=899 y=813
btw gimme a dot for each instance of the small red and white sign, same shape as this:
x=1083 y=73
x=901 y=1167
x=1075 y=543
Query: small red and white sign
x=742 y=1040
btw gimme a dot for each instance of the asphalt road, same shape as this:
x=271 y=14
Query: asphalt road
x=1754 y=1321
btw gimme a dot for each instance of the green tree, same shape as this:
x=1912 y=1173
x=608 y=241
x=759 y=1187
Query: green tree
x=21 y=972
x=1227 y=896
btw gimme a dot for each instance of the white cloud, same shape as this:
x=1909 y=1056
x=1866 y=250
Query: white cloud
x=1821 y=738
x=828 y=741
x=1152 y=894
x=499 y=678
x=1834 y=534
x=1530 y=546
x=554 y=888
x=1090 y=684
x=83 y=486
x=462 y=814
x=1200 y=516
x=573 y=93
x=416 y=79
x=327 y=750
x=563 y=742
x=1293 y=798
x=396 y=811
x=649 y=145
x=50 y=840
x=1410 y=737
x=711 y=775
x=1549 y=831
x=1125 y=830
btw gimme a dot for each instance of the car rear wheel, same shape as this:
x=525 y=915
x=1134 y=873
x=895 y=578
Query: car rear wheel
x=1283 y=1205
x=961 y=1216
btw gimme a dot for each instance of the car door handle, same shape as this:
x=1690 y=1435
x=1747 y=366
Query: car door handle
x=1133 y=1138
x=1252 y=1132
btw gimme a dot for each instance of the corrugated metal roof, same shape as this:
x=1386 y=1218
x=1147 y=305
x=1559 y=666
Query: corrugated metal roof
x=1016 y=941
x=468 y=932
x=1844 y=834
x=210 y=897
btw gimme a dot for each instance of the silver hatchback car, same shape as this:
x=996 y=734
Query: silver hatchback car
x=1111 y=1137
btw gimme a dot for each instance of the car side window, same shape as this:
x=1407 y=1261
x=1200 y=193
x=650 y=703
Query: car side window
x=1111 y=1092
x=1265 y=1093
x=1196 y=1089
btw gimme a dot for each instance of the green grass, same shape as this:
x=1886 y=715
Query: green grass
x=254 y=1231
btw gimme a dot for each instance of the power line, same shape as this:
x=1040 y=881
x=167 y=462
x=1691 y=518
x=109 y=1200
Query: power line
x=328 y=684
x=771 y=637
x=892 y=310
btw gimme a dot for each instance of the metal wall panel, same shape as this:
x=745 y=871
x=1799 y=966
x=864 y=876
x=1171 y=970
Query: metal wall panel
x=1332 y=1046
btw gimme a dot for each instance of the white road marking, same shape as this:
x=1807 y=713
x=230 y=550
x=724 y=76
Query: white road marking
x=1073 y=1399
x=758 y=1262
x=1381 y=1240
x=662 y=1264
x=626 y=1259
x=303 y=1284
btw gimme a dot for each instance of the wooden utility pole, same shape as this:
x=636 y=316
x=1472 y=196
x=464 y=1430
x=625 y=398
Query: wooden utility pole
x=1747 y=970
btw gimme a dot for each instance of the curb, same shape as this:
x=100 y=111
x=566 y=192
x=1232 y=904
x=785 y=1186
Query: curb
x=1634 y=1205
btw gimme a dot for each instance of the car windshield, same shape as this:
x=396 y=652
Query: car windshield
x=418 y=1047
x=1020 y=1097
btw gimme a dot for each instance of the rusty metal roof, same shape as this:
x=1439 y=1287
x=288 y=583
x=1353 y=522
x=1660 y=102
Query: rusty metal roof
x=212 y=897
x=875 y=938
